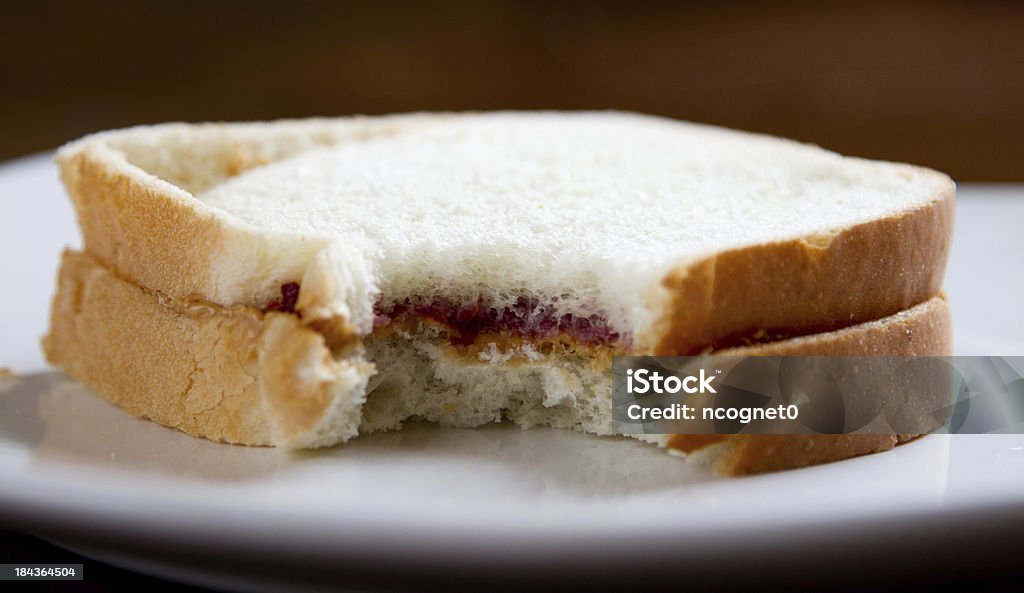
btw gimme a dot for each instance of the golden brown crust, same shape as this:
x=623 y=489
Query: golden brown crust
x=131 y=193
x=196 y=374
x=924 y=330
x=143 y=229
x=226 y=374
x=773 y=452
x=811 y=285
x=150 y=231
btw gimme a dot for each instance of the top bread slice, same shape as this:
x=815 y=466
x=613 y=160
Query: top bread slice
x=682 y=237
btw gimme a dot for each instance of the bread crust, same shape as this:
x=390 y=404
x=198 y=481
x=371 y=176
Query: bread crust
x=194 y=373
x=228 y=374
x=158 y=235
x=141 y=227
x=132 y=191
x=210 y=371
x=923 y=330
x=808 y=285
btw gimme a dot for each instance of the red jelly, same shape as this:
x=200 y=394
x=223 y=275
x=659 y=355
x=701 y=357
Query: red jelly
x=527 y=318
x=289 y=297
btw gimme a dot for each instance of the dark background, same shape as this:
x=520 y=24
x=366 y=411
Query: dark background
x=936 y=83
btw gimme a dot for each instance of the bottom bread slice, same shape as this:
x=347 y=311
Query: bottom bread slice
x=243 y=376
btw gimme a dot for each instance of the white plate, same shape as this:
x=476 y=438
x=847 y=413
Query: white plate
x=432 y=504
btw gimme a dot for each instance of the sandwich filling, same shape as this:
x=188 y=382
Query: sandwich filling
x=482 y=327
x=526 y=319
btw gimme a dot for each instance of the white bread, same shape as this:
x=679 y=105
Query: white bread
x=682 y=238
x=597 y=210
x=240 y=375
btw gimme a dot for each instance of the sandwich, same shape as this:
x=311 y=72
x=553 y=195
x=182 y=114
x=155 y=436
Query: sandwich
x=298 y=283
